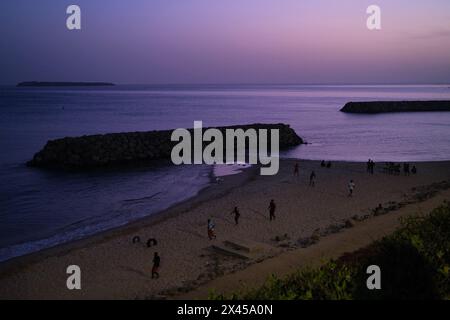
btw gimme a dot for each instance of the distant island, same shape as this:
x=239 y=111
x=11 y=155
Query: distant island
x=396 y=106
x=63 y=84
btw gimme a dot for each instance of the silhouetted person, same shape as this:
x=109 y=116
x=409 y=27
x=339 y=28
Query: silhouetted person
x=236 y=215
x=312 y=179
x=370 y=166
x=414 y=170
x=329 y=164
x=322 y=164
x=211 y=226
x=351 y=187
x=272 y=208
x=296 y=169
x=156 y=263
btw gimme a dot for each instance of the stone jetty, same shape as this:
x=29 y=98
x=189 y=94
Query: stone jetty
x=96 y=151
x=396 y=106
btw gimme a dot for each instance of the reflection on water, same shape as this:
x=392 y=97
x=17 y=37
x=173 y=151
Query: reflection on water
x=41 y=208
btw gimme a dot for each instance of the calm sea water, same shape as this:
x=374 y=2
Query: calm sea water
x=39 y=208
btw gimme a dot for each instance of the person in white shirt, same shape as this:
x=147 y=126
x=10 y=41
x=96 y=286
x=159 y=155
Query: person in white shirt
x=351 y=187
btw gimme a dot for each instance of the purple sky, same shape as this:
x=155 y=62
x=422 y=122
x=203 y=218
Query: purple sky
x=226 y=41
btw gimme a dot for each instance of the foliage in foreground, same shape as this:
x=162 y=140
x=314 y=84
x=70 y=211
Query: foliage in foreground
x=414 y=263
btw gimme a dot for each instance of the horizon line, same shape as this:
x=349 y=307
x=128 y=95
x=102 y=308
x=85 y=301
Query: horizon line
x=247 y=83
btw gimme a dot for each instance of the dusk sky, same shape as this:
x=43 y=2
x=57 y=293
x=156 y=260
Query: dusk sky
x=226 y=41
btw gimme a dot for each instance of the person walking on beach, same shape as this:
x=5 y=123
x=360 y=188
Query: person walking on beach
x=155 y=268
x=272 y=208
x=296 y=170
x=351 y=187
x=370 y=165
x=236 y=215
x=312 y=179
x=211 y=226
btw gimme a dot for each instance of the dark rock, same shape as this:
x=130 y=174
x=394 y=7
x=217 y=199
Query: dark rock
x=396 y=106
x=349 y=223
x=98 y=151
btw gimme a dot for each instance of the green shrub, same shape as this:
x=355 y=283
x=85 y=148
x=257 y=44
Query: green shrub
x=414 y=263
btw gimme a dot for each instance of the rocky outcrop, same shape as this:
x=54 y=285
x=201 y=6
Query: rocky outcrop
x=396 y=106
x=127 y=148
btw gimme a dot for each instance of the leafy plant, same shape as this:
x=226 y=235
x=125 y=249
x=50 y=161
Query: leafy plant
x=415 y=264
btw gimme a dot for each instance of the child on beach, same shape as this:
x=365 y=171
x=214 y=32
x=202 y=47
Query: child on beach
x=312 y=179
x=272 y=208
x=236 y=215
x=156 y=263
x=351 y=186
x=211 y=234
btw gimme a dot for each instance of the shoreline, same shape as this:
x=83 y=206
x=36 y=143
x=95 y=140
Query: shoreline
x=205 y=194
x=157 y=217
x=208 y=198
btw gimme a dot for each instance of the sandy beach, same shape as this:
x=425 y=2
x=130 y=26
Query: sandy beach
x=114 y=268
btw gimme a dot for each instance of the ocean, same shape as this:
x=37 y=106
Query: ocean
x=41 y=208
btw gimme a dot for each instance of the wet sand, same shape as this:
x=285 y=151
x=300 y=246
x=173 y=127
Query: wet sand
x=114 y=268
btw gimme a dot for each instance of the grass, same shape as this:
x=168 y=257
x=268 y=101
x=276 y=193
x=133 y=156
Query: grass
x=414 y=263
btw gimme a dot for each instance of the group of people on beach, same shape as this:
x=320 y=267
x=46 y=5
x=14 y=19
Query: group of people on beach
x=236 y=213
x=211 y=234
x=407 y=171
x=312 y=177
x=211 y=225
x=394 y=168
x=327 y=165
x=272 y=206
